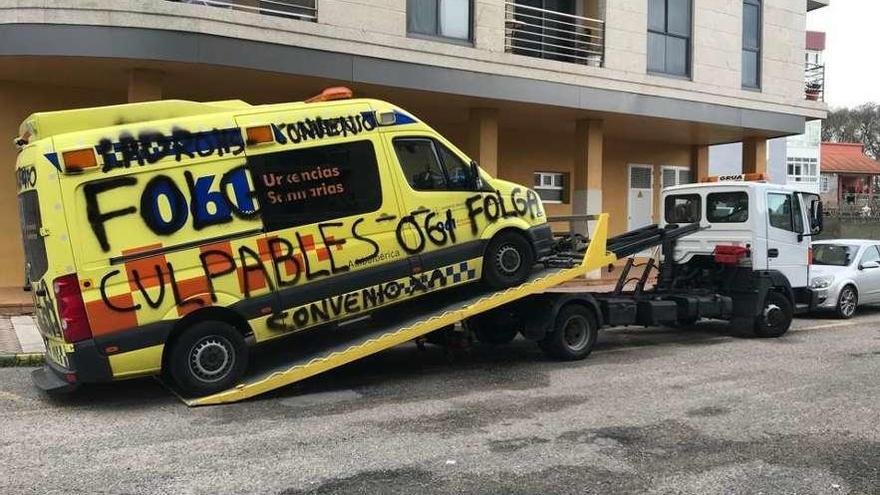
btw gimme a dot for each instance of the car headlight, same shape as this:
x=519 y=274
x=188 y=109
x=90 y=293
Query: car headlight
x=822 y=282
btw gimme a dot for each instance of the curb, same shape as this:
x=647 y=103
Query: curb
x=23 y=359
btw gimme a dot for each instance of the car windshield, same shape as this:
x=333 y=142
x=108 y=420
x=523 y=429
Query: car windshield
x=834 y=254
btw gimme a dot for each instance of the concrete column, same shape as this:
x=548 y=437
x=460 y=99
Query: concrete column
x=587 y=177
x=144 y=85
x=754 y=157
x=483 y=138
x=699 y=162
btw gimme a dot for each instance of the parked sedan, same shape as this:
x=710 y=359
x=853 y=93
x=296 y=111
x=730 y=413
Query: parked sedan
x=846 y=273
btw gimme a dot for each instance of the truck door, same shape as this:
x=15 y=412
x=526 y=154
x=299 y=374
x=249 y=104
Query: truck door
x=787 y=250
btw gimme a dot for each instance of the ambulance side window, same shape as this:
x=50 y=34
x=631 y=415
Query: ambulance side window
x=305 y=186
x=430 y=166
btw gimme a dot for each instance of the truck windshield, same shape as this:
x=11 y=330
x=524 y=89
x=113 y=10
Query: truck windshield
x=834 y=254
x=34 y=244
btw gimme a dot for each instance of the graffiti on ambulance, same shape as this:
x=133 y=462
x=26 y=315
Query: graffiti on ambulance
x=26 y=177
x=206 y=206
x=319 y=128
x=151 y=146
x=359 y=301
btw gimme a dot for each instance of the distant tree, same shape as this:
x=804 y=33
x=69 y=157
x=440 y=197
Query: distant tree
x=855 y=125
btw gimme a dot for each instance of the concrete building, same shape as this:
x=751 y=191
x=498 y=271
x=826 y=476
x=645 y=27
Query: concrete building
x=793 y=160
x=597 y=103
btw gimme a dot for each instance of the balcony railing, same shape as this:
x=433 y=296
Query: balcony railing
x=814 y=80
x=305 y=10
x=549 y=34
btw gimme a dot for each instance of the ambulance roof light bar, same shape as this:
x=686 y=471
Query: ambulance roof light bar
x=330 y=94
x=752 y=177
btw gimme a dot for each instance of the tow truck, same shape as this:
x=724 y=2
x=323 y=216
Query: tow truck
x=731 y=248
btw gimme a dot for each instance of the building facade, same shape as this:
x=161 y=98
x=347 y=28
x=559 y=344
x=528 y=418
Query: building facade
x=793 y=160
x=597 y=103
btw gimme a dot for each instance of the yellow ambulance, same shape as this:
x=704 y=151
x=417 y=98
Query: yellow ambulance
x=171 y=236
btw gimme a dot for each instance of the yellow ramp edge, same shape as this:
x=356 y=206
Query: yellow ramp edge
x=595 y=257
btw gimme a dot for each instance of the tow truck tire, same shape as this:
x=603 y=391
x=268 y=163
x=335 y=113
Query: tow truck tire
x=574 y=334
x=847 y=302
x=208 y=357
x=496 y=327
x=508 y=260
x=775 y=317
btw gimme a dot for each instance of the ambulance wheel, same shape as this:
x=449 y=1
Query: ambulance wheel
x=775 y=317
x=208 y=357
x=574 y=334
x=497 y=327
x=508 y=260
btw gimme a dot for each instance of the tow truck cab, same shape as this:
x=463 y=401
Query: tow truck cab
x=754 y=237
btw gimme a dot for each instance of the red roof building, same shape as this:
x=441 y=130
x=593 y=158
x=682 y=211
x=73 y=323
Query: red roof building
x=815 y=41
x=848 y=175
x=847 y=158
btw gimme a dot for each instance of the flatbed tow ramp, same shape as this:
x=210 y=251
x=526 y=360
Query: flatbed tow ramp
x=313 y=353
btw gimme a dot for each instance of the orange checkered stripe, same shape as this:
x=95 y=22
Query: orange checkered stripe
x=186 y=285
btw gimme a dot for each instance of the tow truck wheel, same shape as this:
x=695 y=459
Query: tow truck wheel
x=208 y=357
x=495 y=328
x=508 y=260
x=775 y=317
x=573 y=336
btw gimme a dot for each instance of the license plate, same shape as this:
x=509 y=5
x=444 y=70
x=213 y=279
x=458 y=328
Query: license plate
x=57 y=352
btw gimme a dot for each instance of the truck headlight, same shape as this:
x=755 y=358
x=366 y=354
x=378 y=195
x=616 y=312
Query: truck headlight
x=822 y=282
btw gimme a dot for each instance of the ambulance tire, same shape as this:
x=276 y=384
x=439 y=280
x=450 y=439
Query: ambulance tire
x=208 y=357
x=574 y=334
x=508 y=260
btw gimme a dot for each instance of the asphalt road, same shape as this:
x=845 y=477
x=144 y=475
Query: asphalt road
x=651 y=411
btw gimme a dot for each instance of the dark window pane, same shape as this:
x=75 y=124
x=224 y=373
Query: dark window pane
x=797 y=215
x=300 y=187
x=779 y=211
x=657 y=15
x=458 y=172
x=729 y=207
x=656 y=52
x=676 y=56
x=751 y=26
x=750 y=69
x=419 y=163
x=679 y=17
x=683 y=208
x=550 y=194
x=421 y=16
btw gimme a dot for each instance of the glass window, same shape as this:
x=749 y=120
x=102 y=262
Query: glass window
x=442 y=18
x=727 y=207
x=304 y=186
x=871 y=254
x=797 y=215
x=36 y=262
x=420 y=164
x=551 y=186
x=779 y=211
x=669 y=36
x=458 y=173
x=834 y=254
x=751 y=44
x=430 y=166
x=682 y=208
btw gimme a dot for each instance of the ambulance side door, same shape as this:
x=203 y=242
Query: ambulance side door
x=438 y=196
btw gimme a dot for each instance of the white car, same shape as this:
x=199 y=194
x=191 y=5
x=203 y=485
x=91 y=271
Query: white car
x=846 y=273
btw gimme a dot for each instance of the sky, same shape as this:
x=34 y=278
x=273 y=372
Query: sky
x=852 y=74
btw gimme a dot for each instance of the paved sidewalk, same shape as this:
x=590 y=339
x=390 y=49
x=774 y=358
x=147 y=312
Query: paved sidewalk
x=20 y=334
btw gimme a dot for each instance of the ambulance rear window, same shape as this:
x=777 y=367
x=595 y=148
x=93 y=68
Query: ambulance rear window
x=323 y=183
x=34 y=244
